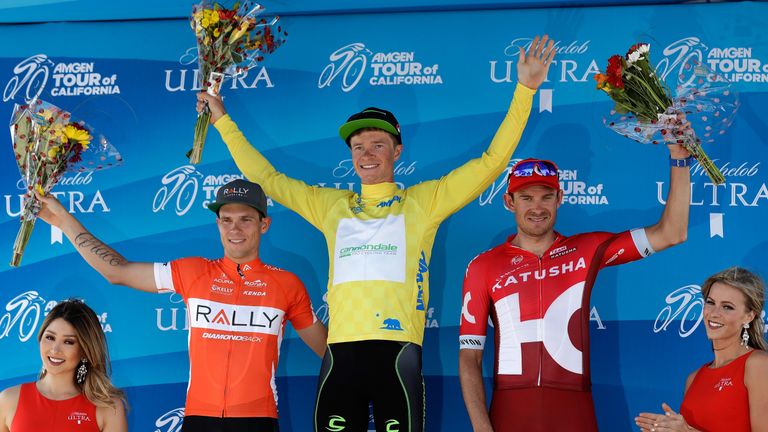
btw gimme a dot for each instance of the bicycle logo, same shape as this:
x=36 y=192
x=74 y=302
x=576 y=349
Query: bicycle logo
x=322 y=311
x=34 y=75
x=687 y=53
x=24 y=310
x=172 y=420
x=350 y=59
x=181 y=183
x=486 y=197
x=690 y=308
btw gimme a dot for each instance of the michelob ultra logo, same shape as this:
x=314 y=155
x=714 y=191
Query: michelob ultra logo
x=206 y=314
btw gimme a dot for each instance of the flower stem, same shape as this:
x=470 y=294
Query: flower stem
x=25 y=231
x=201 y=130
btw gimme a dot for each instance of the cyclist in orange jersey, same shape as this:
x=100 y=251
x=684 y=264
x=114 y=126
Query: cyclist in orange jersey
x=237 y=307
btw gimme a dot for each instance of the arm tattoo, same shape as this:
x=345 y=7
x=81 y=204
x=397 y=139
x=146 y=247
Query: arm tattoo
x=95 y=246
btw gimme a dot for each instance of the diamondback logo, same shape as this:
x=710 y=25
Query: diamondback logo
x=368 y=249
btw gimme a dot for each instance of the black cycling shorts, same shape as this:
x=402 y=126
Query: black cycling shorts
x=229 y=424
x=386 y=374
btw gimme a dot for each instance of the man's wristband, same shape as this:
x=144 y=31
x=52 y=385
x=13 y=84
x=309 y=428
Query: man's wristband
x=681 y=163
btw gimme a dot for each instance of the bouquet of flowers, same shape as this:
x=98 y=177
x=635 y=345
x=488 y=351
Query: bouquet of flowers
x=229 y=42
x=646 y=112
x=47 y=143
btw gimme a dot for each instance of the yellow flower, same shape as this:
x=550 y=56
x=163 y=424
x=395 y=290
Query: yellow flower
x=205 y=22
x=239 y=32
x=39 y=189
x=53 y=151
x=79 y=134
x=216 y=32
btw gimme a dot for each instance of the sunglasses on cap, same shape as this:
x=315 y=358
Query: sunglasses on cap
x=528 y=168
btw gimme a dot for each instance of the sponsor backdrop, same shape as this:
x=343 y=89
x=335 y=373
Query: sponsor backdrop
x=449 y=77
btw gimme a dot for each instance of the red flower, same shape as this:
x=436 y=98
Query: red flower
x=225 y=14
x=613 y=71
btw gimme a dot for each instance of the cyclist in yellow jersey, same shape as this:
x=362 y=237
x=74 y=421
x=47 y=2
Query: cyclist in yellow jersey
x=379 y=247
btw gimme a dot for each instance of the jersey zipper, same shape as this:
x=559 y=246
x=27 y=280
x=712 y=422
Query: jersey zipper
x=541 y=324
x=229 y=348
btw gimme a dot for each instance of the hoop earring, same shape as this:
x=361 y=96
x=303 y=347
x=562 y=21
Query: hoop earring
x=745 y=335
x=81 y=371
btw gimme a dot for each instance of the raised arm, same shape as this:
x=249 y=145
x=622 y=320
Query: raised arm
x=295 y=194
x=672 y=228
x=473 y=388
x=466 y=182
x=104 y=259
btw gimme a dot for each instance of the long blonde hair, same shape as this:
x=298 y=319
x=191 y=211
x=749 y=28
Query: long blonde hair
x=97 y=386
x=753 y=288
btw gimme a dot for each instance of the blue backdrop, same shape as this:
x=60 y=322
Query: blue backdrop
x=449 y=77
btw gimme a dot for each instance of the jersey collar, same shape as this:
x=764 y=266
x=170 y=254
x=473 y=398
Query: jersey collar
x=244 y=268
x=510 y=246
x=378 y=191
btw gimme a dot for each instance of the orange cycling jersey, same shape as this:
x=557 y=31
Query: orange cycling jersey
x=236 y=317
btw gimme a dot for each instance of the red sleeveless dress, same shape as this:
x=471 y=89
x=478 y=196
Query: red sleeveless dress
x=717 y=399
x=36 y=413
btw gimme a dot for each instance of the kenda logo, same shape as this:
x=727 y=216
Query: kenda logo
x=187 y=78
x=181 y=186
x=368 y=249
x=553 y=271
x=684 y=303
x=736 y=64
x=348 y=66
x=170 y=421
x=206 y=314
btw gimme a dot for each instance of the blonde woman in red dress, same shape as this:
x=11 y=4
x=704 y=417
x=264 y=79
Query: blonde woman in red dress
x=731 y=392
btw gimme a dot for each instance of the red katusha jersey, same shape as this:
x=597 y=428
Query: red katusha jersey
x=236 y=318
x=540 y=306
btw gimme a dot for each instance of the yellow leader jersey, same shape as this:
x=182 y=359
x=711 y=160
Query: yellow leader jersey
x=380 y=241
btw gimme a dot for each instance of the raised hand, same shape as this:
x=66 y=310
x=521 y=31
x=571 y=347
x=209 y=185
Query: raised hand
x=52 y=211
x=532 y=67
x=215 y=104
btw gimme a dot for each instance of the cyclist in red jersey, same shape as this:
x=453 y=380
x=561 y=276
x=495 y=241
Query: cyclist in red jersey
x=731 y=392
x=237 y=308
x=536 y=287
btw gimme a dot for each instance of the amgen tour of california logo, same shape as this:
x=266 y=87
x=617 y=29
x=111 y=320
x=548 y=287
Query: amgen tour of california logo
x=170 y=421
x=31 y=76
x=348 y=65
x=734 y=63
x=179 y=189
x=575 y=191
